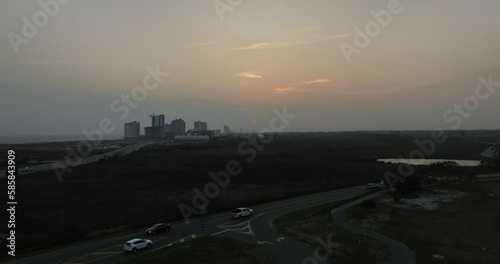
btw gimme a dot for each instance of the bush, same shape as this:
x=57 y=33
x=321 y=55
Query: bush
x=369 y=204
x=497 y=216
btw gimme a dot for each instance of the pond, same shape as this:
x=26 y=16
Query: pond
x=463 y=163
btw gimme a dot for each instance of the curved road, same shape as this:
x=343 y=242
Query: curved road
x=255 y=230
x=400 y=253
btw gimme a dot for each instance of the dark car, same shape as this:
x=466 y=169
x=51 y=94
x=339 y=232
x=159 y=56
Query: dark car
x=158 y=228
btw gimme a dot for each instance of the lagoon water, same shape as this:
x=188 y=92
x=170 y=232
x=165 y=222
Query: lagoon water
x=464 y=163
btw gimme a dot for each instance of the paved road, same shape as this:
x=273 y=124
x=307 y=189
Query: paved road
x=253 y=230
x=86 y=160
x=488 y=177
x=400 y=253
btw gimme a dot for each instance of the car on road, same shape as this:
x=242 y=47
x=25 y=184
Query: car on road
x=372 y=186
x=158 y=228
x=137 y=243
x=26 y=169
x=241 y=212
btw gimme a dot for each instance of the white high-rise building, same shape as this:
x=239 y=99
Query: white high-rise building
x=200 y=126
x=132 y=129
x=178 y=127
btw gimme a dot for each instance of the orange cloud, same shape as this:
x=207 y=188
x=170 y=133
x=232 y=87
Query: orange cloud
x=318 y=81
x=250 y=75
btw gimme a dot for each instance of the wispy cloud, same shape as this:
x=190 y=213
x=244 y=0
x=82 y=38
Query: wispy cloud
x=278 y=44
x=291 y=90
x=57 y=62
x=451 y=19
x=197 y=44
x=318 y=81
x=419 y=17
x=303 y=30
x=250 y=75
x=256 y=46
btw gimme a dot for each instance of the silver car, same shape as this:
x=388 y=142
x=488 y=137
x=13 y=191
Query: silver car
x=136 y=244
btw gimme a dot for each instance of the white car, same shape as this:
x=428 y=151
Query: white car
x=372 y=186
x=136 y=244
x=241 y=212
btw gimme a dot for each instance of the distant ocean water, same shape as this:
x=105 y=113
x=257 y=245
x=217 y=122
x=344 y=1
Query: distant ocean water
x=47 y=138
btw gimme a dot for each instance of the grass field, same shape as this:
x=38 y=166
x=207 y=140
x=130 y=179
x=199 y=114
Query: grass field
x=207 y=250
x=349 y=247
x=147 y=186
x=32 y=154
x=466 y=230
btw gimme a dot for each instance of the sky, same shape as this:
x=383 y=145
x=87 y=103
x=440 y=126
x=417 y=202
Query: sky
x=231 y=62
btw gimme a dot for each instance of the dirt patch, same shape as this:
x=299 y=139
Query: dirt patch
x=431 y=200
x=459 y=225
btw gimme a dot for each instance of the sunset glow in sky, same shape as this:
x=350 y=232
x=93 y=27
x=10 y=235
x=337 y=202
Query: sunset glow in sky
x=264 y=54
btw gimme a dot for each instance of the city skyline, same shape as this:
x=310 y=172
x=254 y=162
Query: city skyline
x=273 y=131
x=233 y=68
